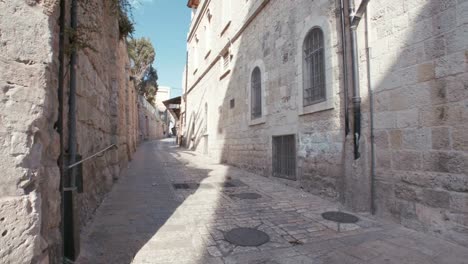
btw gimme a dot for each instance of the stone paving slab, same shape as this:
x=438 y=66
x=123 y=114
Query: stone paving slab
x=146 y=220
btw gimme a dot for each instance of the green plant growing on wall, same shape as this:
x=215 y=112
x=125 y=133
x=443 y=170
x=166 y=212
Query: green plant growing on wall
x=123 y=10
x=80 y=38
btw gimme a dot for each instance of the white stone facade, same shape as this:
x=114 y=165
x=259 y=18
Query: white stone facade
x=416 y=53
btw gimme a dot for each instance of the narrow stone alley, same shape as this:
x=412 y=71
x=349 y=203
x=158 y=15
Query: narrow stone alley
x=174 y=206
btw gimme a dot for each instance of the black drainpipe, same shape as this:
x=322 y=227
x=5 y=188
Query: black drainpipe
x=60 y=121
x=70 y=241
x=356 y=88
x=355 y=18
x=345 y=66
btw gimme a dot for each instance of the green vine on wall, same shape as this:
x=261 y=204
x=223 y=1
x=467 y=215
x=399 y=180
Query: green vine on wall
x=81 y=37
x=123 y=9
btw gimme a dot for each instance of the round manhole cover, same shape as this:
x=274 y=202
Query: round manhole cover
x=246 y=237
x=250 y=196
x=340 y=217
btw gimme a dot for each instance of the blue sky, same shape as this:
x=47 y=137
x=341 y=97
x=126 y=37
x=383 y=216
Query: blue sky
x=166 y=23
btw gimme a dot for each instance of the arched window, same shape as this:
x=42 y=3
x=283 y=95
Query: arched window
x=256 y=93
x=314 y=68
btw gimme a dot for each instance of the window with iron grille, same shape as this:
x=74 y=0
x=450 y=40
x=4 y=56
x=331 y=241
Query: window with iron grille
x=256 y=93
x=314 y=68
x=284 y=157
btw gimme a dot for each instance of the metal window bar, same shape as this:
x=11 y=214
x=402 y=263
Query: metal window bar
x=256 y=93
x=314 y=68
x=284 y=157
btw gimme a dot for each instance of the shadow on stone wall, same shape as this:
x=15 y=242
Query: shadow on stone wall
x=417 y=69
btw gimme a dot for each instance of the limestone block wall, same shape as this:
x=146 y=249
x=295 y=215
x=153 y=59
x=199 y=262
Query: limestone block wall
x=30 y=198
x=150 y=124
x=417 y=70
x=273 y=40
x=29 y=145
x=106 y=105
x=419 y=73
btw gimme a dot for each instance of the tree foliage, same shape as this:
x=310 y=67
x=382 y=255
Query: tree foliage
x=149 y=85
x=142 y=53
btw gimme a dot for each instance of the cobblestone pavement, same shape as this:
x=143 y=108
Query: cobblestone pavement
x=146 y=220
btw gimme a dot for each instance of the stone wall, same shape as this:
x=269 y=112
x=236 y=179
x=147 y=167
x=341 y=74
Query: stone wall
x=271 y=41
x=29 y=145
x=417 y=66
x=150 y=124
x=419 y=74
x=106 y=106
x=30 y=197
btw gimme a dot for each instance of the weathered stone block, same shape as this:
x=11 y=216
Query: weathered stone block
x=417 y=139
x=459 y=202
x=383 y=158
x=450 y=65
x=460 y=138
x=426 y=72
x=19 y=229
x=441 y=138
x=451 y=162
x=381 y=139
x=434 y=198
x=434 y=48
x=444 y=21
x=408 y=118
x=406 y=160
x=407 y=193
x=396 y=139
x=385 y=120
x=442 y=115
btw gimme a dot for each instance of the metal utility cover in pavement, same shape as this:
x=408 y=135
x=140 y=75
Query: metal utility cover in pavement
x=246 y=237
x=232 y=183
x=340 y=217
x=249 y=196
x=181 y=186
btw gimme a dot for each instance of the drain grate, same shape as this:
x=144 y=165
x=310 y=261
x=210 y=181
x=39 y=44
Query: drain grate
x=186 y=186
x=181 y=186
x=246 y=237
x=340 y=217
x=228 y=185
x=246 y=196
x=232 y=183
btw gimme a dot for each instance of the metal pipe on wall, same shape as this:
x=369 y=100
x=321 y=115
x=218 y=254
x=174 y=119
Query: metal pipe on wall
x=72 y=97
x=355 y=18
x=60 y=121
x=371 y=118
x=70 y=241
x=356 y=88
x=345 y=66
